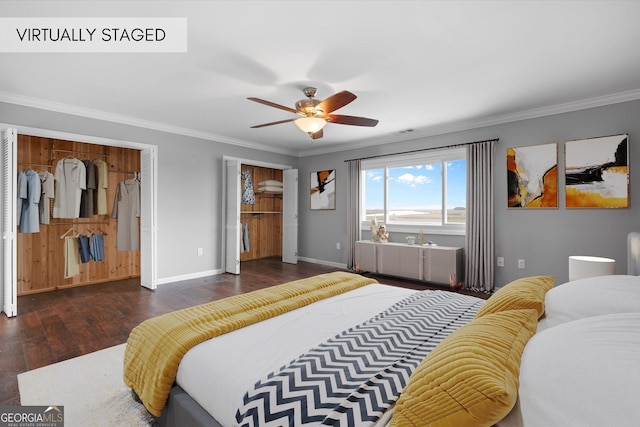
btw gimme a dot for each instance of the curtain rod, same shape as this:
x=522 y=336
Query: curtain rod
x=424 y=149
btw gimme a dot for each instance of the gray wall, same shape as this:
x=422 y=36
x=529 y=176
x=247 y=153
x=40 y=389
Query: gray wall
x=190 y=189
x=544 y=238
x=189 y=185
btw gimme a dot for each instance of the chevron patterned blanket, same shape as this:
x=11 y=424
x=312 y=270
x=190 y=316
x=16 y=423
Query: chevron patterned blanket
x=353 y=378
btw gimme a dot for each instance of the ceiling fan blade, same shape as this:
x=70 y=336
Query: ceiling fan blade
x=272 y=104
x=336 y=101
x=316 y=135
x=271 y=124
x=351 y=120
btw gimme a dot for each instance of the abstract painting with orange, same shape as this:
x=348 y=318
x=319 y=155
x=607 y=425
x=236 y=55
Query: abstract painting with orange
x=597 y=172
x=532 y=176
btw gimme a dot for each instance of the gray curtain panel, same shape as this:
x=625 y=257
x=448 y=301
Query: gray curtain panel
x=479 y=239
x=353 y=211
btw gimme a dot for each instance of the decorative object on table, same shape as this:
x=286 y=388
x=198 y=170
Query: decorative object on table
x=374 y=230
x=421 y=238
x=383 y=234
x=411 y=240
x=597 y=172
x=323 y=190
x=532 y=176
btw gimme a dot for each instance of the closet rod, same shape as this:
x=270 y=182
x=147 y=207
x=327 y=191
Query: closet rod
x=34 y=164
x=79 y=152
x=79 y=223
x=115 y=171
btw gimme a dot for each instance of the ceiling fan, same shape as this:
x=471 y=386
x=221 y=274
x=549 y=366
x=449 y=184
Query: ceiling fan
x=315 y=113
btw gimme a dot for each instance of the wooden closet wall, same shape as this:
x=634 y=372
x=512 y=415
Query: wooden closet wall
x=40 y=255
x=264 y=217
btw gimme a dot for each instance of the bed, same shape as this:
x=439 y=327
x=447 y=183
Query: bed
x=469 y=362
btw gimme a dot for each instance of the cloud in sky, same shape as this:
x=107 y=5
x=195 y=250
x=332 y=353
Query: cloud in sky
x=413 y=180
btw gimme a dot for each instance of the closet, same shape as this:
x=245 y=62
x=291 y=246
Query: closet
x=261 y=213
x=40 y=255
x=261 y=221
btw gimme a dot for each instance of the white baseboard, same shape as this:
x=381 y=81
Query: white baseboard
x=323 y=262
x=200 y=274
x=183 y=277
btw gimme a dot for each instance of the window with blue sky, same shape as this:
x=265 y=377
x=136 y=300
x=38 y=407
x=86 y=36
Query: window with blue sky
x=425 y=189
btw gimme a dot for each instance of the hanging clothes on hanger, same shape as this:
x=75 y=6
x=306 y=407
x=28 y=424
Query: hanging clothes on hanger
x=71 y=257
x=96 y=247
x=71 y=179
x=248 y=196
x=126 y=209
x=102 y=174
x=22 y=194
x=47 y=186
x=87 y=195
x=30 y=217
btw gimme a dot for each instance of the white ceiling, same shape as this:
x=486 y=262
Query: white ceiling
x=424 y=65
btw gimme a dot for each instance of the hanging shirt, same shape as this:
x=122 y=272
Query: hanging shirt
x=248 y=196
x=126 y=209
x=30 y=218
x=86 y=197
x=71 y=179
x=102 y=176
x=22 y=194
x=48 y=193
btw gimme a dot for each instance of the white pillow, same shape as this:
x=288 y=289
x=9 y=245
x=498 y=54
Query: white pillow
x=271 y=189
x=270 y=183
x=590 y=297
x=582 y=373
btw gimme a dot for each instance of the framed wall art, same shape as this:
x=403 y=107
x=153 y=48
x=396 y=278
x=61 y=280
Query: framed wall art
x=597 y=172
x=532 y=176
x=323 y=190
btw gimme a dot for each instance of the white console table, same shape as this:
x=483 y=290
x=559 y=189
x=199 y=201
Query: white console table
x=429 y=262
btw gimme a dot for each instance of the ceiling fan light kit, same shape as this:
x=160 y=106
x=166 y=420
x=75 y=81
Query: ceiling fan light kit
x=310 y=124
x=316 y=114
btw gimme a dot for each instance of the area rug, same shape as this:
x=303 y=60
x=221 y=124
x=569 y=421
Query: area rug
x=90 y=388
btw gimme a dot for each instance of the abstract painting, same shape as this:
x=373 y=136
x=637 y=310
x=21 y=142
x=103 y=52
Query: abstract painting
x=323 y=190
x=597 y=172
x=532 y=176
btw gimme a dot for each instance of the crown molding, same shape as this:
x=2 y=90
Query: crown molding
x=59 y=107
x=425 y=132
x=464 y=125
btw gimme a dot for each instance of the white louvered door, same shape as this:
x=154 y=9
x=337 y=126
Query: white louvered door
x=9 y=284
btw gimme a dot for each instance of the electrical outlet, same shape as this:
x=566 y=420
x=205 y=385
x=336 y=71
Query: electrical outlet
x=338 y=245
x=500 y=262
x=200 y=252
x=521 y=264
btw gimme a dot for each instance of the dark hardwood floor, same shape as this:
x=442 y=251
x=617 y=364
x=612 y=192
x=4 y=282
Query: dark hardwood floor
x=59 y=325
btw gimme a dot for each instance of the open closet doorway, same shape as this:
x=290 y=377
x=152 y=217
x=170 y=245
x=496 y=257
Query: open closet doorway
x=147 y=167
x=261 y=212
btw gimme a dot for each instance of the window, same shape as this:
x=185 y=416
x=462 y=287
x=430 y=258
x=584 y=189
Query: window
x=424 y=191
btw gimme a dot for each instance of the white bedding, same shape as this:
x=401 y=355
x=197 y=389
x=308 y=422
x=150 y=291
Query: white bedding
x=582 y=367
x=246 y=355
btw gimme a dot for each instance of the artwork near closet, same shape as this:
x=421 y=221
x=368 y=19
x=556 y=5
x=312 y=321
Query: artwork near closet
x=70 y=235
x=323 y=190
x=597 y=172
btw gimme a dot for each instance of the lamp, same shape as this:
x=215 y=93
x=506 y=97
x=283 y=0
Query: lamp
x=581 y=267
x=310 y=125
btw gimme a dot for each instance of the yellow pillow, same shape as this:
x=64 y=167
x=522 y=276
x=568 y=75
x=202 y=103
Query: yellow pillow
x=470 y=378
x=528 y=292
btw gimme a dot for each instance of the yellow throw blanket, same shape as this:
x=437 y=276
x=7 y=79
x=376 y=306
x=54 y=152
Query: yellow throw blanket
x=156 y=346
